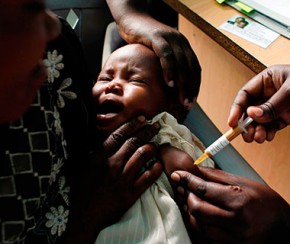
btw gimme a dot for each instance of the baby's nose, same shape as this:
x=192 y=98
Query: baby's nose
x=114 y=87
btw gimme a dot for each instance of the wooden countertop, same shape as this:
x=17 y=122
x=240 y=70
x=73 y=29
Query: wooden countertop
x=208 y=15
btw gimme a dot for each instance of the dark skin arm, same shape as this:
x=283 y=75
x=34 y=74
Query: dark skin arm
x=179 y=62
x=111 y=183
x=175 y=159
x=224 y=208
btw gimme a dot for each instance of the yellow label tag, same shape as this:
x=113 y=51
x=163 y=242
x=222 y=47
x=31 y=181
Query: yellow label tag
x=220 y=1
x=244 y=7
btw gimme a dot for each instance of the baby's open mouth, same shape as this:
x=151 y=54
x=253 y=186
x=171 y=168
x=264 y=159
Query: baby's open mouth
x=109 y=106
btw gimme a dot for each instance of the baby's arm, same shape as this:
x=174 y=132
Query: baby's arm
x=172 y=159
x=175 y=159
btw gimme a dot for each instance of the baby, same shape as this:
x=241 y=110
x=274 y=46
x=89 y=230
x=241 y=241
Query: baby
x=131 y=84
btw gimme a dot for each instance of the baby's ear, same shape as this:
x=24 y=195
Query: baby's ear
x=174 y=107
x=178 y=111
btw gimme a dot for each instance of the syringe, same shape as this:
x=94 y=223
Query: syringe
x=224 y=140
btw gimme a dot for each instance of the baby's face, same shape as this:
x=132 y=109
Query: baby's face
x=130 y=84
x=25 y=28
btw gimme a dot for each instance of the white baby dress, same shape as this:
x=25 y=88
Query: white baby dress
x=155 y=217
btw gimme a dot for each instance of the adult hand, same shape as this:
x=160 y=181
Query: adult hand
x=230 y=209
x=265 y=98
x=179 y=63
x=112 y=182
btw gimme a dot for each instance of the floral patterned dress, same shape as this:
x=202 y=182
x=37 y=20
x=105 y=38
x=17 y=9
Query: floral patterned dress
x=40 y=153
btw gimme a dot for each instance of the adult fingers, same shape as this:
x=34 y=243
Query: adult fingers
x=249 y=93
x=268 y=93
x=188 y=73
x=205 y=211
x=213 y=184
x=137 y=140
x=280 y=100
x=180 y=65
x=141 y=161
x=166 y=55
x=116 y=140
x=214 y=222
x=147 y=178
x=239 y=107
x=276 y=107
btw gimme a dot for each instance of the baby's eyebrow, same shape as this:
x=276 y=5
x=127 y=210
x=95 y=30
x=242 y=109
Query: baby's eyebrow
x=107 y=69
x=135 y=70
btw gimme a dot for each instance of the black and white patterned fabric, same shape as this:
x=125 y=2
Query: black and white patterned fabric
x=40 y=153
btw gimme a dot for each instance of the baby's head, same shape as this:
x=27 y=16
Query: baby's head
x=131 y=83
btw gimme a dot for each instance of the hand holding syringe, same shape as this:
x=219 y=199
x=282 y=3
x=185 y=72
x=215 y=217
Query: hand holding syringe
x=224 y=140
